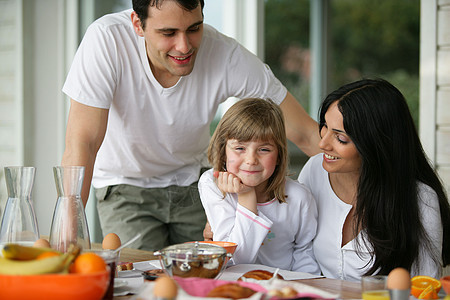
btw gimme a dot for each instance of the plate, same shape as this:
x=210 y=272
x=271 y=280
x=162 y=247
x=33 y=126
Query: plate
x=118 y=283
x=139 y=267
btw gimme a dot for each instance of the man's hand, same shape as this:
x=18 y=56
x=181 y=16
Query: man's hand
x=207 y=232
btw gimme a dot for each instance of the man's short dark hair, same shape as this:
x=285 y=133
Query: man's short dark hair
x=141 y=7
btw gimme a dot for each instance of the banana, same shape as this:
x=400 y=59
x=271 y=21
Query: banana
x=53 y=264
x=19 y=252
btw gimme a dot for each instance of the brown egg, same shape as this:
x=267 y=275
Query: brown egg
x=111 y=241
x=399 y=279
x=41 y=243
x=165 y=287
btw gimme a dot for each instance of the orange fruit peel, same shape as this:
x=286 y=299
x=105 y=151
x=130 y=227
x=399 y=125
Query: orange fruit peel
x=88 y=262
x=429 y=293
x=47 y=254
x=420 y=283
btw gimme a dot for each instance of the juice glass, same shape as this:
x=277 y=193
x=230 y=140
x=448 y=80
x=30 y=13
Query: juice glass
x=374 y=287
x=111 y=258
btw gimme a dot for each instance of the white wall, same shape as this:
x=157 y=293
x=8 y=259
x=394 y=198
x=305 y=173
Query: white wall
x=435 y=86
x=11 y=98
x=35 y=114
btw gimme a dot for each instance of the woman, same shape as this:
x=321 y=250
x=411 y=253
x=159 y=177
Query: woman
x=380 y=203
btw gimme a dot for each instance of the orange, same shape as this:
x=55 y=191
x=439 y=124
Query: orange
x=47 y=254
x=421 y=282
x=429 y=293
x=88 y=263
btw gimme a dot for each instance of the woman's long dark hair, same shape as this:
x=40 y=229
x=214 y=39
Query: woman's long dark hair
x=377 y=119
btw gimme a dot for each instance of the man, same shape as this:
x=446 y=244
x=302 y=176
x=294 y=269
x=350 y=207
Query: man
x=144 y=87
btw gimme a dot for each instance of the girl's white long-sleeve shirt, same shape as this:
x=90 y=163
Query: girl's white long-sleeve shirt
x=280 y=235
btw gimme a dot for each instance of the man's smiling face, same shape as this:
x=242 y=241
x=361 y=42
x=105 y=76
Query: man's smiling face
x=173 y=36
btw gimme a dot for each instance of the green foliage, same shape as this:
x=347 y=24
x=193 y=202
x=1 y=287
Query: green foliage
x=366 y=39
x=374 y=37
x=286 y=22
x=408 y=84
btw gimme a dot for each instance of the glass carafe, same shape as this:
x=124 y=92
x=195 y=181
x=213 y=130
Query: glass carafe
x=19 y=224
x=69 y=225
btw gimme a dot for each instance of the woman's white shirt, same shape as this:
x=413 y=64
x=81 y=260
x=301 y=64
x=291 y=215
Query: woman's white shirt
x=349 y=262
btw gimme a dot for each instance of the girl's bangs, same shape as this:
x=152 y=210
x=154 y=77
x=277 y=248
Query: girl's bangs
x=255 y=130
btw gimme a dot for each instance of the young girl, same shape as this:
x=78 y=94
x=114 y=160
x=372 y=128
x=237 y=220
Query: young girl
x=247 y=197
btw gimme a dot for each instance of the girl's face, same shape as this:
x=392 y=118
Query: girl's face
x=253 y=161
x=340 y=154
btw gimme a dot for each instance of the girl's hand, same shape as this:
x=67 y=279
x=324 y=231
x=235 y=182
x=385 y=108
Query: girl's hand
x=230 y=183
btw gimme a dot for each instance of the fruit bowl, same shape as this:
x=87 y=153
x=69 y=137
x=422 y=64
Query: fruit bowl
x=54 y=286
x=445 y=281
x=229 y=246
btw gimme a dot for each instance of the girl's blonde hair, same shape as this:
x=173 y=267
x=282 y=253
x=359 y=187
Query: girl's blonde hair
x=253 y=119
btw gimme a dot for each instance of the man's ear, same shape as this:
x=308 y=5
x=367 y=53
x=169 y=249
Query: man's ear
x=137 y=25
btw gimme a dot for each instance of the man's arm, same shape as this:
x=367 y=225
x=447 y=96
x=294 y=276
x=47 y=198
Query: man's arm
x=86 y=128
x=301 y=129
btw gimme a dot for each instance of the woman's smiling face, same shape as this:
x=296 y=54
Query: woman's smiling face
x=340 y=153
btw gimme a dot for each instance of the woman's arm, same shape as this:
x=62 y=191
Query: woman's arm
x=429 y=261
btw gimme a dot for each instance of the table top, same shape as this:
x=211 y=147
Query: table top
x=346 y=289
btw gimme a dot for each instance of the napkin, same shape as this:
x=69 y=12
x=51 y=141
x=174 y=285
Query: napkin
x=131 y=281
x=127 y=286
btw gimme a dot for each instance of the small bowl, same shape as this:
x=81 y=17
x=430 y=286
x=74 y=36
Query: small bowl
x=54 y=286
x=445 y=281
x=229 y=246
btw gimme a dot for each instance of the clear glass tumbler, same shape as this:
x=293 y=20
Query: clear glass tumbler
x=111 y=258
x=19 y=224
x=374 y=287
x=69 y=225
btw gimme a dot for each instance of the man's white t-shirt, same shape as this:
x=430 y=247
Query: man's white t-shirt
x=158 y=136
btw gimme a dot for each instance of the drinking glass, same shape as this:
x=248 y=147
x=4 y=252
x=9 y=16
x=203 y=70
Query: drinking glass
x=19 y=224
x=69 y=225
x=111 y=258
x=374 y=287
